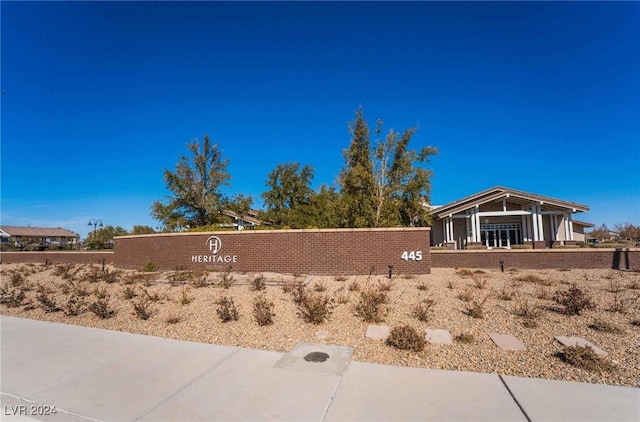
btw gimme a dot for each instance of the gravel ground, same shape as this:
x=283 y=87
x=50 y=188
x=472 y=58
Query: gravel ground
x=616 y=296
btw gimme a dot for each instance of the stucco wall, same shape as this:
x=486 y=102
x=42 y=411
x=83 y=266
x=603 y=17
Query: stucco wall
x=332 y=252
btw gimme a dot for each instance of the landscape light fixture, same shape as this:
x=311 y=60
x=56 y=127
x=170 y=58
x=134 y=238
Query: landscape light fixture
x=390 y=271
x=501 y=266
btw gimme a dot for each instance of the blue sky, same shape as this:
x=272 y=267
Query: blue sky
x=101 y=97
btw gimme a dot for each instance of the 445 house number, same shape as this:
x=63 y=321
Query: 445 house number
x=411 y=256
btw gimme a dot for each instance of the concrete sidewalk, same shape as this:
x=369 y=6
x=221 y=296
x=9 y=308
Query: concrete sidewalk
x=95 y=374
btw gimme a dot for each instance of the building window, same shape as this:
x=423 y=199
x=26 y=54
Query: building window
x=501 y=235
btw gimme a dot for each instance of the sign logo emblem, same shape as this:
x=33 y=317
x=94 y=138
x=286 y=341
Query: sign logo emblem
x=215 y=244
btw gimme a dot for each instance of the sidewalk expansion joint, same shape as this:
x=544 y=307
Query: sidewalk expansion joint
x=514 y=398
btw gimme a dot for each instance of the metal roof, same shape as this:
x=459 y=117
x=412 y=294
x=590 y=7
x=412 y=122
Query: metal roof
x=37 y=232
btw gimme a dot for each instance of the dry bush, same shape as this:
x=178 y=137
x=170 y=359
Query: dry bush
x=530 y=312
x=605 y=327
x=173 y=319
x=74 y=306
x=621 y=302
x=634 y=284
x=464 y=338
x=16 y=279
x=128 y=293
x=198 y=279
x=341 y=296
x=226 y=279
x=289 y=286
x=573 y=300
x=63 y=270
x=258 y=283
x=185 y=299
x=47 y=303
x=263 y=310
x=354 y=286
x=542 y=293
x=451 y=285
x=584 y=358
x=226 y=309
x=100 y=292
x=534 y=279
x=320 y=286
x=315 y=307
x=155 y=297
x=506 y=293
x=385 y=285
x=465 y=295
x=340 y=278
x=101 y=308
x=476 y=309
x=479 y=281
x=406 y=338
x=423 y=310
x=12 y=297
x=422 y=286
x=370 y=306
x=464 y=272
x=409 y=276
x=142 y=308
x=298 y=293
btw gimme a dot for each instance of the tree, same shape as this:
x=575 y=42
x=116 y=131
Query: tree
x=142 y=230
x=389 y=186
x=357 y=182
x=103 y=237
x=289 y=197
x=601 y=233
x=628 y=231
x=196 y=199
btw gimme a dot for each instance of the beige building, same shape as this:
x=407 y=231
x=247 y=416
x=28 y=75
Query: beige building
x=503 y=218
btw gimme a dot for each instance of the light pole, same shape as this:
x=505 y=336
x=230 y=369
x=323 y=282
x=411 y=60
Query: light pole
x=95 y=223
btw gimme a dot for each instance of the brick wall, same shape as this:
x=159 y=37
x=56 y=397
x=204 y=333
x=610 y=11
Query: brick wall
x=330 y=252
x=70 y=257
x=539 y=259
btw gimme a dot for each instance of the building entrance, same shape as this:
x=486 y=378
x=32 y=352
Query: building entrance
x=500 y=235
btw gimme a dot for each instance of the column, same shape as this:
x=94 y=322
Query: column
x=478 y=229
x=474 y=229
x=534 y=222
x=554 y=223
x=523 y=224
x=540 y=224
x=570 y=226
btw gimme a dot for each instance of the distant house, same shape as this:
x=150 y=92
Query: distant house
x=503 y=218
x=43 y=237
x=248 y=221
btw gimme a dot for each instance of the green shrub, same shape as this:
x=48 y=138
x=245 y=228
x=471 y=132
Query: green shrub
x=149 y=267
x=406 y=338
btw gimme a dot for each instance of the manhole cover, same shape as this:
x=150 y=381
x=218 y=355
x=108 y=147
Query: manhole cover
x=316 y=357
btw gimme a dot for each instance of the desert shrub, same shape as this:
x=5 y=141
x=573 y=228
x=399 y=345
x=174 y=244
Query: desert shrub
x=315 y=307
x=385 y=285
x=341 y=296
x=534 y=279
x=340 y=278
x=370 y=306
x=100 y=292
x=465 y=295
x=423 y=310
x=479 y=282
x=605 y=327
x=153 y=297
x=584 y=358
x=573 y=300
x=128 y=293
x=542 y=293
x=227 y=279
x=173 y=319
x=622 y=302
x=47 y=303
x=179 y=276
x=93 y=275
x=464 y=272
x=74 y=306
x=258 y=283
x=476 y=308
x=63 y=270
x=422 y=286
x=198 y=279
x=289 y=286
x=298 y=292
x=185 y=299
x=406 y=338
x=101 y=308
x=409 y=276
x=528 y=311
x=354 y=286
x=12 y=297
x=263 y=310
x=142 y=308
x=505 y=293
x=634 y=284
x=227 y=310
x=320 y=286
x=464 y=338
x=451 y=285
x=16 y=279
x=149 y=267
